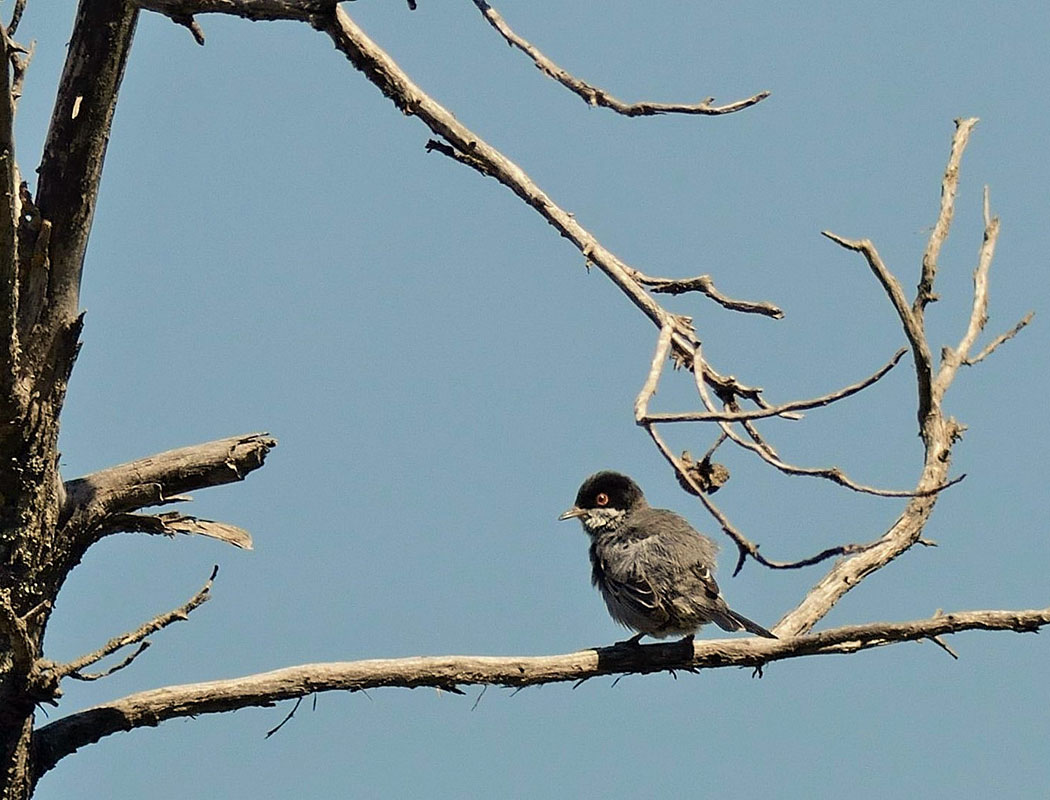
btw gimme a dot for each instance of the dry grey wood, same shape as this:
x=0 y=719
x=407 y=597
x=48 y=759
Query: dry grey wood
x=161 y=478
x=75 y=668
x=705 y=285
x=949 y=186
x=13 y=627
x=596 y=96
x=13 y=394
x=938 y=430
x=258 y=10
x=1002 y=338
x=125 y=662
x=173 y=523
x=64 y=736
x=767 y=454
x=16 y=16
x=388 y=77
x=783 y=410
x=50 y=257
x=74 y=152
x=911 y=322
x=40 y=323
x=745 y=547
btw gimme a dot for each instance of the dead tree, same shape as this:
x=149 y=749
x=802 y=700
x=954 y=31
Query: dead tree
x=47 y=525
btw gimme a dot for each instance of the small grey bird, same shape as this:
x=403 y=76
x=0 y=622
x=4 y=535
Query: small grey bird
x=654 y=570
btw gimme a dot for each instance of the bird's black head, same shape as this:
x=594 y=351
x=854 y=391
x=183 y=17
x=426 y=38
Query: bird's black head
x=609 y=489
x=604 y=500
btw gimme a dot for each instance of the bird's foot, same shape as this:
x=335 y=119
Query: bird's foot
x=634 y=641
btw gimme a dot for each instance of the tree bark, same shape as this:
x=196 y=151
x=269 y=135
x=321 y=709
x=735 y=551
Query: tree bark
x=42 y=327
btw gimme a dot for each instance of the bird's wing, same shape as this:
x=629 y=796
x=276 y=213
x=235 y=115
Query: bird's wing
x=703 y=574
x=628 y=588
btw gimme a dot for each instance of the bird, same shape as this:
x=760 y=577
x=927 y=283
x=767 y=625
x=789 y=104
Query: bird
x=652 y=568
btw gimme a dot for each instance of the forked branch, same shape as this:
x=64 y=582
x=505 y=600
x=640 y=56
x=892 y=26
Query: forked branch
x=160 y=479
x=174 y=523
x=784 y=410
x=745 y=547
x=75 y=668
x=705 y=285
x=938 y=431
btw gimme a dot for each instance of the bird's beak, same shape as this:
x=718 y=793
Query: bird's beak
x=572 y=513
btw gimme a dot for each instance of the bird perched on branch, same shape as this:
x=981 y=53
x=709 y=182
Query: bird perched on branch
x=654 y=570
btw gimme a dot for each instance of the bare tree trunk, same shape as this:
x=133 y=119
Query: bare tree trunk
x=42 y=327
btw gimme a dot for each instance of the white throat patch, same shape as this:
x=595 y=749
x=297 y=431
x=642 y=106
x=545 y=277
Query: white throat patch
x=597 y=520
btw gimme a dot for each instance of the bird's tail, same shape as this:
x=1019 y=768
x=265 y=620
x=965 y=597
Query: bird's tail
x=729 y=620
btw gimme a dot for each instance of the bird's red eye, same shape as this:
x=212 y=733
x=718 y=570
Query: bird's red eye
x=602 y=499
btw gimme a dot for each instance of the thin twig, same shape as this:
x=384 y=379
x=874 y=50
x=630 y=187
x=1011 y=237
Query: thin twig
x=937 y=640
x=133 y=637
x=704 y=284
x=979 y=312
x=911 y=321
x=94 y=676
x=784 y=410
x=291 y=714
x=969 y=361
x=745 y=547
x=472 y=150
x=711 y=450
x=767 y=454
x=954 y=358
x=596 y=96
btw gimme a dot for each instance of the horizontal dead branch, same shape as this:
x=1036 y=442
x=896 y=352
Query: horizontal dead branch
x=596 y=96
x=258 y=10
x=159 y=479
x=147 y=709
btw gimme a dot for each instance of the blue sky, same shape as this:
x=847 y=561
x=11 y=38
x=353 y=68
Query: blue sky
x=274 y=250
